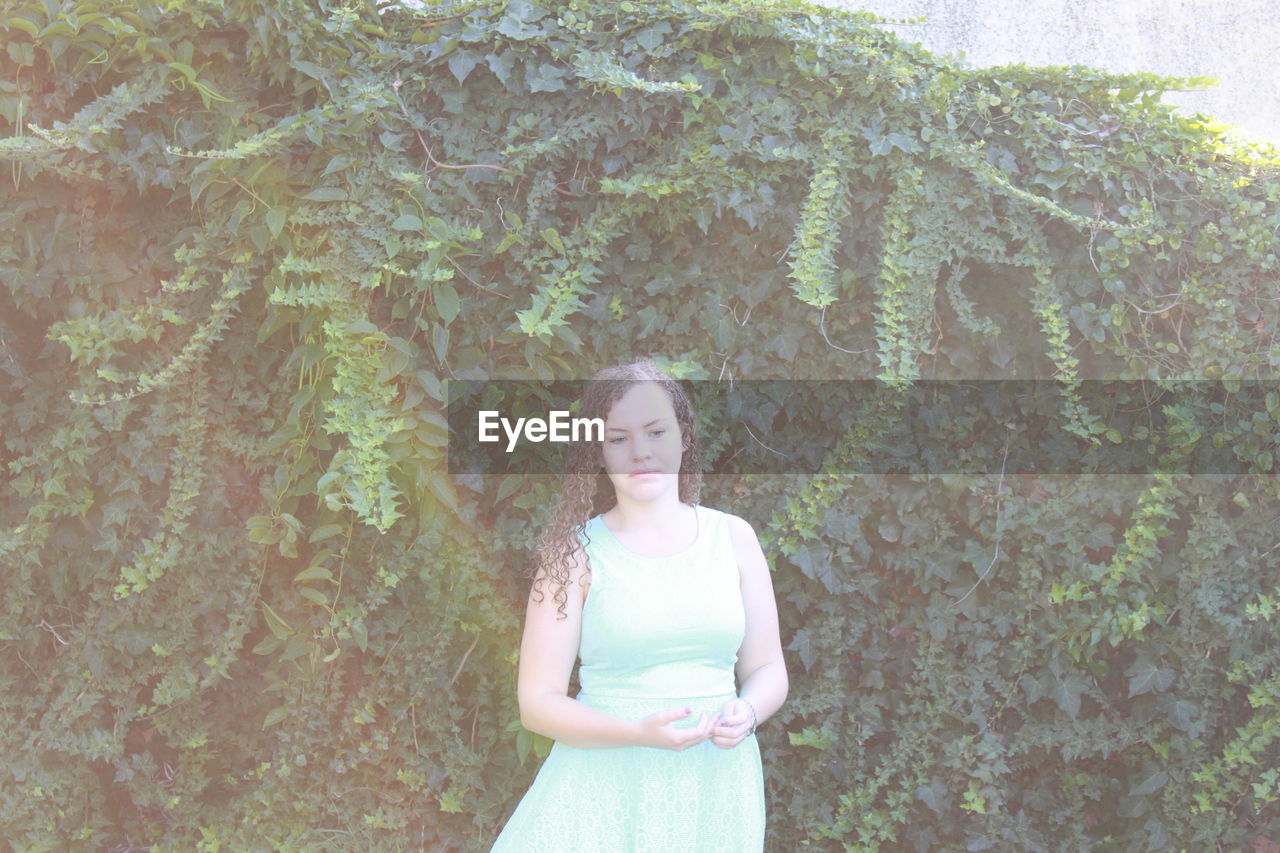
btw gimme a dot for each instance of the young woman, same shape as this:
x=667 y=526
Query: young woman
x=670 y=607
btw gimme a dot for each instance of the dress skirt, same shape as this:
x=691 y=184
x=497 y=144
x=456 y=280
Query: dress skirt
x=637 y=799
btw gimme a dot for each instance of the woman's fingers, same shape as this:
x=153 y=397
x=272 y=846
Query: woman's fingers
x=660 y=730
x=726 y=729
x=700 y=732
x=662 y=718
x=734 y=724
x=665 y=734
x=731 y=732
x=696 y=734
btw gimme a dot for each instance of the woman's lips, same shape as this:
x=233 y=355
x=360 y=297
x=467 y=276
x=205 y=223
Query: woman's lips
x=644 y=473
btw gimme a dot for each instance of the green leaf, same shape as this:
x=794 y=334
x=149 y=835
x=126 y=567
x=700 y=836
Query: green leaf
x=326 y=194
x=1066 y=693
x=296 y=648
x=652 y=37
x=313 y=573
x=545 y=77
x=14 y=22
x=819 y=739
x=262 y=530
x=310 y=69
x=523 y=744
x=1181 y=714
x=508 y=487
x=446 y=302
x=266 y=645
x=1146 y=676
x=325 y=531
x=275 y=220
x=407 y=222
x=552 y=236
x=1132 y=807
x=23 y=485
x=275 y=715
x=185 y=70
x=440 y=343
x=314 y=595
x=461 y=63
x=1149 y=785
x=278 y=626
x=442 y=487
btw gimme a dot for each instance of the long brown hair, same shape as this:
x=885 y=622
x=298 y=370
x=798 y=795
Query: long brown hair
x=587 y=489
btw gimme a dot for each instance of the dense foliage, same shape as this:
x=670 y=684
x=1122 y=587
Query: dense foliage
x=244 y=245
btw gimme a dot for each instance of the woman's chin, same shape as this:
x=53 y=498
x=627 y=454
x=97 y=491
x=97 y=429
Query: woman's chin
x=646 y=486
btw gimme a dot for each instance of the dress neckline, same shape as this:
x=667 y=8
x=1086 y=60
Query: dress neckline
x=697 y=539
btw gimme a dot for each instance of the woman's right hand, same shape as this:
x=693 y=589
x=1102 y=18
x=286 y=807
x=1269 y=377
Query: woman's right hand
x=659 y=730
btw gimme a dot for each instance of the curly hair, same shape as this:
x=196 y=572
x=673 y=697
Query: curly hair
x=587 y=489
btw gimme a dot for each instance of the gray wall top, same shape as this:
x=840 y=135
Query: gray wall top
x=1236 y=43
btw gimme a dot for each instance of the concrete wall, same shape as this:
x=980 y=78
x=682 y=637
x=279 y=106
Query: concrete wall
x=1235 y=41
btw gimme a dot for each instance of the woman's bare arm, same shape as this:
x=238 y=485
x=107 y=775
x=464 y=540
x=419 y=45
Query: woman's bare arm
x=761 y=670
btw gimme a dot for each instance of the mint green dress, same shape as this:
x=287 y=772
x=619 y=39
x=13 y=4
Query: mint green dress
x=657 y=633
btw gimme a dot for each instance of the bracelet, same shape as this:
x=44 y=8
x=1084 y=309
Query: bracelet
x=754 y=719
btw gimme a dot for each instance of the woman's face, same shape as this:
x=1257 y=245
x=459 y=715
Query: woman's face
x=642 y=444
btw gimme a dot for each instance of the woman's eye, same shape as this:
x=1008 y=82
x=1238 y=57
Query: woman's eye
x=617 y=440
x=658 y=433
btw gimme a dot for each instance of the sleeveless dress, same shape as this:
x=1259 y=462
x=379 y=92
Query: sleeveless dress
x=657 y=633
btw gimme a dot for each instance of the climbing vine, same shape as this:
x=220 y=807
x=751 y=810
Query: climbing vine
x=246 y=246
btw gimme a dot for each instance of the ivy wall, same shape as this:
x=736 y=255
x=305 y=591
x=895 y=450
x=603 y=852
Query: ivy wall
x=245 y=245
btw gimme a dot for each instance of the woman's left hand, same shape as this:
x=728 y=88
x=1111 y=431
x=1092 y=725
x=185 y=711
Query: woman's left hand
x=735 y=723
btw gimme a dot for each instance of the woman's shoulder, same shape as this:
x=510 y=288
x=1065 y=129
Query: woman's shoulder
x=592 y=529
x=739 y=528
x=569 y=564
